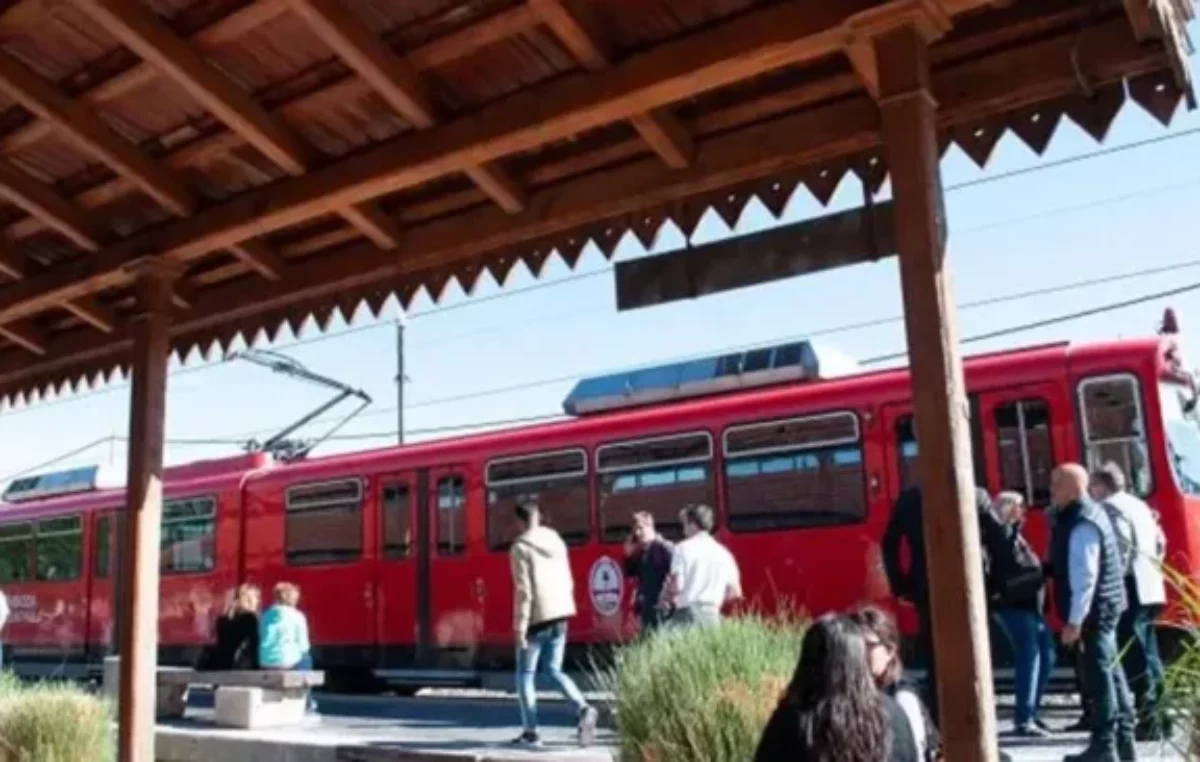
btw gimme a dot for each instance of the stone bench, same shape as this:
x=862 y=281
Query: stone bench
x=243 y=698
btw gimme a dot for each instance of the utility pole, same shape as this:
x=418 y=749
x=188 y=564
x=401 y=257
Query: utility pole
x=400 y=379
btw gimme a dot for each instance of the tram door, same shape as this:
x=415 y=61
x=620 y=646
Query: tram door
x=1025 y=434
x=454 y=590
x=102 y=612
x=401 y=593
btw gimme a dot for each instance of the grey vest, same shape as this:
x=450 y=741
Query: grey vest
x=1109 y=601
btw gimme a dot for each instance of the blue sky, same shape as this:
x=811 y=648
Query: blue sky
x=1125 y=212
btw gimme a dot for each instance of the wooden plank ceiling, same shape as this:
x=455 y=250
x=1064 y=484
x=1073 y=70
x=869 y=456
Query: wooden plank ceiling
x=301 y=157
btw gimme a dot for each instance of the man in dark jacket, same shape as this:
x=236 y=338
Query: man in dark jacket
x=648 y=562
x=907 y=527
x=1090 y=598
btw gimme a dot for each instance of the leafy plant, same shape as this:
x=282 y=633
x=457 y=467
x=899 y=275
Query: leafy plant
x=1181 y=699
x=700 y=694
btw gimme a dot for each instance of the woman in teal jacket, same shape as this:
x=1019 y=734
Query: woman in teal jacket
x=283 y=638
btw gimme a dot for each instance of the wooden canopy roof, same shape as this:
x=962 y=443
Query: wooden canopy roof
x=299 y=157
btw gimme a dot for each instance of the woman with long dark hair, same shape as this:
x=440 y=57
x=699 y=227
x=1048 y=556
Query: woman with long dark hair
x=831 y=710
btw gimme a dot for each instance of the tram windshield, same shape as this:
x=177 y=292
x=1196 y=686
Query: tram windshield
x=1181 y=421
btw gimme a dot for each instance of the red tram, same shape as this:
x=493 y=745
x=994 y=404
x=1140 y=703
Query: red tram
x=401 y=552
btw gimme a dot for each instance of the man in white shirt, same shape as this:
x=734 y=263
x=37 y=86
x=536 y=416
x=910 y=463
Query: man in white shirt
x=1146 y=590
x=704 y=575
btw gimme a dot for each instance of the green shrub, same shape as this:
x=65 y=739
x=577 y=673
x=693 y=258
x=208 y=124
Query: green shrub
x=52 y=723
x=700 y=694
x=1181 y=699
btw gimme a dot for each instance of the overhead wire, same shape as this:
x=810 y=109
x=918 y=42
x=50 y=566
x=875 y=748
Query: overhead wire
x=879 y=359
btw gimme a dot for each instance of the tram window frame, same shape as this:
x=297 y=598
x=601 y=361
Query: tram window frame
x=1141 y=438
x=1032 y=484
x=790 y=454
x=397 y=551
x=909 y=419
x=633 y=476
x=101 y=564
x=503 y=494
x=208 y=537
x=8 y=535
x=41 y=529
x=457 y=544
x=336 y=557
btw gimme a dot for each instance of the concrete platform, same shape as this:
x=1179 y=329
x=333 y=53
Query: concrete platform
x=373 y=729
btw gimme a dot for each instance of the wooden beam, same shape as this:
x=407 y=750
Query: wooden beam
x=575 y=32
x=92 y=312
x=862 y=57
x=396 y=81
x=955 y=561
x=495 y=181
x=223 y=30
x=661 y=131
x=139 y=541
x=374 y=224
x=669 y=139
x=982 y=87
x=10 y=266
x=1145 y=27
x=142 y=32
x=38 y=200
x=261 y=258
x=25 y=337
x=77 y=123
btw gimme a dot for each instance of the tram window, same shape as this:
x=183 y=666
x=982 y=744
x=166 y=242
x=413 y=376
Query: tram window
x=906 y=449
x=16 y=552
x=324 y=523
x=802 y=472
x=397 y=521
x=556 y=481
x=188 y=536
x=1182 y=427
x=1024 y=447
x=659 y=476
x=452 y=516
x=1114 y=428
x=102 y=547
x=58 y=549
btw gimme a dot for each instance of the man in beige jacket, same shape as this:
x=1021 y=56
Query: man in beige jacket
x=544 y=600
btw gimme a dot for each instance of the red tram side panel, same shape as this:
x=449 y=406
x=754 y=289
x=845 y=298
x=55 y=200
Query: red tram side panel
x=402 y=553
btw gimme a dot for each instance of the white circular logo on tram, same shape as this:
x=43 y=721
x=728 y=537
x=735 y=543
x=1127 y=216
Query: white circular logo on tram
x=606 y=584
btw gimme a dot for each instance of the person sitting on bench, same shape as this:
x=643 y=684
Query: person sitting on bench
x=283 y=636
x=236 y=646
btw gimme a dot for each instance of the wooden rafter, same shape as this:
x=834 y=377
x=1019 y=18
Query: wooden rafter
x=92 y=312
x=768 y=39
x=142 y=32
x=26 y=337
x=840 y=128
x=398 y=82
x=261 y=258
x=437 y=52
x=1142 y=19
x=376 y=226
x=43 y=203
x=659 y=128
x=496 y=182
x=224 y=30
x=11 y=267
x=77 y=123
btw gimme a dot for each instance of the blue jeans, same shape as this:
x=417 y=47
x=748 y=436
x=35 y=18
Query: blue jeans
x=1034 y=657
x=1143 y=665
x=1112 y=712
x=543 y=651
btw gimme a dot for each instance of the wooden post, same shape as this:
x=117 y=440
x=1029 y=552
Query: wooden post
x=138 y=614
x=960 y=631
